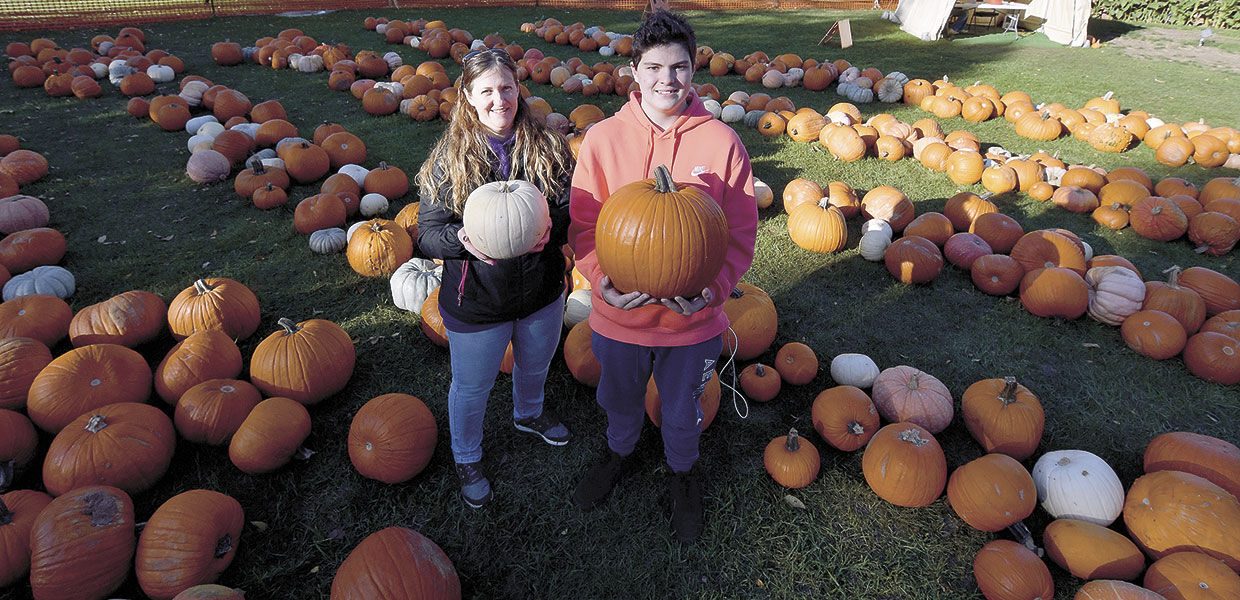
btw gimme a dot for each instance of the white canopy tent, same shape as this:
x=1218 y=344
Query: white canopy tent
x=1065 y=21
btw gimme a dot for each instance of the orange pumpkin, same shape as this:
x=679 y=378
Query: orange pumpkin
x=61 y=541
x=992 y=492
x=845 y=417
x=1213 y=357
x=214 y=303
x=913 y=259
x=203 y=355
x=378 y=247
x=1183 y=303
x=126 y=445
x=752 y=317
x=21 y=359
x=396 y=563
x=269 y=435
x=996 y=274
x=1091 y=551
x=1218 y=461
x=905 y=465
x=1054 y=292
x=84 y=379
x=128 y=319
x=791 y=461
x=1003 y=416
x=709 y=402
x=392 y=438
x=1006 y=570
x=19 y=510
x=1189 y=575
x=1111 y=589
x=210 y=412
x=306 y=361
x=1170 y=511
x=189 y=540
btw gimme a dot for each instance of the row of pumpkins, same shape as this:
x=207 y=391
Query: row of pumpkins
x=29 y=251
x=1099 y=122
x=123 y=60
x=1054 y=270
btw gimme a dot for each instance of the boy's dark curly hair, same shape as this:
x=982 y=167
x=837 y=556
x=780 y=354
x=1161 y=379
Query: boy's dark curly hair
x=663 y=27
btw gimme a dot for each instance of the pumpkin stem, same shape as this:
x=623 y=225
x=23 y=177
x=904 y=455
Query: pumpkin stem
x=760 y=370
x=912 y=382
x=1107 y=96
x=6 y=515
x=913 y=436
x=856 y=428
x=201 y=287
x=1022 y=535
x=289 y=326
x=1008 y=395
x=256 y=164
x=736 y=293
x=96 y=423
x=375 y=225
x=794 y=443
x=383 y=166
x=663 y=183
x=1173 y=275
x=1156 y=210
x=223 y=546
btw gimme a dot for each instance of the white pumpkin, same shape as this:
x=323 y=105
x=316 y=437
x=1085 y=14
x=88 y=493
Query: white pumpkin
x=118 y=70
x=739 y=96
x=414 y=41
x=193 y=125
x=372 y=204
x=100 y=69
x=849 y=75
x=348 y=235
x=625 y=70
x=853 y=369
x=160 y=73
x=877 y=225
x=1075 y=484
x=277 y=163
x=192 y=93
x=772 y=79
x=712 y=106
x=1054 y=175
x=250 y=129
x=380 y=28
x=310 y=64
x=199 y=141
x=753 y=117
x=207 y=166
x=873 y=245
x=394 y=60
x=46 y=279
x=357 y=172
x=577 y=308
x=397 y=88
x=839 y=116
x=732 y=113
x=105 y=47
x=1087 y=250
x=1155 y=122
x=210 y=129
x=505 y=219
x=1114 y=293
x=763 y=194
x=606 y=51
x=327 y=241
x=793 y=77
x=413 y=281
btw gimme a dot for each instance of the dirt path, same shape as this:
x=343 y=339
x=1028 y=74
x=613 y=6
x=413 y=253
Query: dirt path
x=1179 y=45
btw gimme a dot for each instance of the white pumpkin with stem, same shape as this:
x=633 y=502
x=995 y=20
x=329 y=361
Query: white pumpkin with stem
x=372 y=204
x=504 y=219
x=857 y=370
x=1076 y=484
x=1114 y=293
x=413 y=281
x=327 y=241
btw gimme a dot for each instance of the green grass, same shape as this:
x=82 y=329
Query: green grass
x=124 y=179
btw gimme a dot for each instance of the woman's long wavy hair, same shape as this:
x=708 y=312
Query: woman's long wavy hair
x=539 y=153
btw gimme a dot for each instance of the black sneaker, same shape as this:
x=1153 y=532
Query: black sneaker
x=475 y=488
x=599 y=479
x=545 y=426
x=686 y=496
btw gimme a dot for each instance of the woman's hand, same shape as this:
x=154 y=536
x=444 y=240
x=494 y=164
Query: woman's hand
x=688 y=306
x=469 y=247
x=627 y=301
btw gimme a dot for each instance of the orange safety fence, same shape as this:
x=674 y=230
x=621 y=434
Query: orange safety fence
x=66 y=14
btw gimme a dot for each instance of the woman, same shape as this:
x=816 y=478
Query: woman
x=675 y=340
x=487 y=303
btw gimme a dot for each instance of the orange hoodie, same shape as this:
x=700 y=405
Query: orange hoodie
x=700 y=151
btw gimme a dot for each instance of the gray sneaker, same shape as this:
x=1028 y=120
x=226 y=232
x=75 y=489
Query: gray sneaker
x=545 y=426
x=475 y=488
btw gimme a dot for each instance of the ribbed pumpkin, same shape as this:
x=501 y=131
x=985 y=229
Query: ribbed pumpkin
x=800 y=191
x=128 y=319
x=1048 y=248
x=658 y=238
x=845 y=417
x=82 y=544
x=1218 y=461
x=18 y=443
x=903 y=393
x=1054 y=292
x=753 y=319
x=996 y=274
x=21 y=359
x=86 y=378
x=42 y=317
x=214 y=303
x=889 y=204
x=24 y=250
x=1157 y=218
x=913 y=259
x=1192 y=575
x=378 y=247
x=1091 y=551
x=905 y=465
x=505 y=219
x=818 y=227
x=1154 y=333
x=1115 y=293
x=205 y=354
x=306 y=361
x=126 y=445
x=1213 y=357
x=396 y=563
x=392 y=438
x=992 y=492
x=1006 y=570
x=1075 y=484
x=1111 y=589
x=1180 y=302
x=791 y=461
x=1003 y=416
x=1218 y=291
x=210 y=412
x=269 y=436
x=18 y=510
x=189 y=540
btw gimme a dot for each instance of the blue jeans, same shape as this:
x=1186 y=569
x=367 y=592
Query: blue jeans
x=476 y=357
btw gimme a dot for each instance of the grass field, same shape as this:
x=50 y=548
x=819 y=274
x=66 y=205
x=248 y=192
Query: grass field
x=133 y=220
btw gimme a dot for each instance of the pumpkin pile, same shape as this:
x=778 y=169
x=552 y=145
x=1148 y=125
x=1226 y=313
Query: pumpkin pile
x=123 y=59
x=30 y=251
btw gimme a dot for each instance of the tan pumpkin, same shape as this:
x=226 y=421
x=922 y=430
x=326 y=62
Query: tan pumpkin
x=1091 y=551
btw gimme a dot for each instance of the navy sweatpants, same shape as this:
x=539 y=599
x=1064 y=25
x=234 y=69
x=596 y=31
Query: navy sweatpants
x=680 y=372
